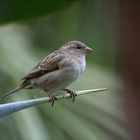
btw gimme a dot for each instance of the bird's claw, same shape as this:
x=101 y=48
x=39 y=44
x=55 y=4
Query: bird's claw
x=72 y=94
x=52 y=99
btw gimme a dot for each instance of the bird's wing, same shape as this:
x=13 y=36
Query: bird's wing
x=49 y=64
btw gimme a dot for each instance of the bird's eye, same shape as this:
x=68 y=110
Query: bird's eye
x=78 y=47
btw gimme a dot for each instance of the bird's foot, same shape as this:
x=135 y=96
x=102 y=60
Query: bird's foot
x=52 y=99
x=72 y=94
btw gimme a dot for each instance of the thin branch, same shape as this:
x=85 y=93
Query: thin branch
x=8 y=108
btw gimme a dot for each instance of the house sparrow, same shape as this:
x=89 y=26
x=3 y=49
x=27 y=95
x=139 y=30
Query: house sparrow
x=58 y=70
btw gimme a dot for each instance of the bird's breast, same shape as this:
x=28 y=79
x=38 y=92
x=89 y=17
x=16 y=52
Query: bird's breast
x=81 y=64
x=71 y=73
x=72 y=67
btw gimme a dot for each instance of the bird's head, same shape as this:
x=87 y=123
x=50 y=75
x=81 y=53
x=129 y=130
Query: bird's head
x=76 y=48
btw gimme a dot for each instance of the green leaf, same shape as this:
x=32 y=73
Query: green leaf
x=17 y=10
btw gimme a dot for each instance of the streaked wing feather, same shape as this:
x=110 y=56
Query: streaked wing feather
x=49 y=64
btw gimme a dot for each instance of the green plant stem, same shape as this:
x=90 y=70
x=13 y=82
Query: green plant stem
x=8 y=108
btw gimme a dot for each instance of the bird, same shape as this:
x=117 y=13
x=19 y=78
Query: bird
x=57 y=71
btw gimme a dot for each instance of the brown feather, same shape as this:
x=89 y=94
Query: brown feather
x=49 y=64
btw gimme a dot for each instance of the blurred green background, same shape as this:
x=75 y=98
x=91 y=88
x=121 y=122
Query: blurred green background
x=29 y=31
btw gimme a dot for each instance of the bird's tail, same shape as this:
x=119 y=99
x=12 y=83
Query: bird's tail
x=10 y=92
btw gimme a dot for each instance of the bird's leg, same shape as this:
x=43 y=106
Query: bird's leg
x=52 y=98
x=72 y=93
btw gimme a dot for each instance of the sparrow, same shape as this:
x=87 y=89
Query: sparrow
x=58 y=70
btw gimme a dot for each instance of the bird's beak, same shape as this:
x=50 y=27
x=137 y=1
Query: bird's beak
x=87 y=50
